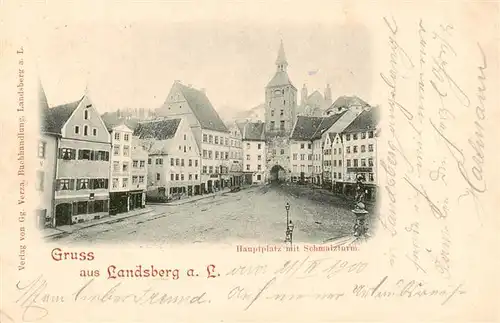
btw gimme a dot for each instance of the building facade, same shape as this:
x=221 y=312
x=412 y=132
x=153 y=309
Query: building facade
x=254 y=152
x=173 y=159
x=281 y=104
x=235 y=155
x=139 y=175
x=120 y=170
x=211 y=134
x=82 y=164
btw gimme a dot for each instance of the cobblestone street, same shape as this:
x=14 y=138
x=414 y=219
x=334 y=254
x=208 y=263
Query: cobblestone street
x=253 y=215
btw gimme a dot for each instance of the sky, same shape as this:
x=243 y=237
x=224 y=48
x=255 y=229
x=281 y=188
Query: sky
x=133 y=63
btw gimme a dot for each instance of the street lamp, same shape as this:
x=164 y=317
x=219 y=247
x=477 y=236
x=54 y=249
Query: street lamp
x=289 y=225
x=287 y=207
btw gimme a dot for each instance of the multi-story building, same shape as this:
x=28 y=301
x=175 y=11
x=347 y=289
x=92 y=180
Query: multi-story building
x=210 y=133
x=120 y=170
x=254 y=152
x=360 y=152
x=281 y=104
x=46 y=168
x=82 y=166
x=235 y=155
x=174 y=159
x=139 y=175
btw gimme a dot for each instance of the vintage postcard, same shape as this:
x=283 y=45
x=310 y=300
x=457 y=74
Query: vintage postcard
x=244 y=161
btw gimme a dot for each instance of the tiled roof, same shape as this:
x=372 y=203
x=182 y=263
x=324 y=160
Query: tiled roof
x=111 y=120
x=311 y=128
x=159 y=130
x=326 y=123
x=280 y=78
x=55 y=118
x=203 y=109
x=241 y=127
x=367 y=120
x=347 y=102
x=254 y=131
x=305 y=127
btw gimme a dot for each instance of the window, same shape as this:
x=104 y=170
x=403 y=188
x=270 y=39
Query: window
x=65 y=184
x=185 y=137
x=141 y=179
x=172 y=177
x=259 y=146
x=248 y=157
x=171 y=162
x=363 y=162
x=190 y=177
x=204 y=169
x=216 y=140
x=86 y=114
x=116 y=150
x=210 y=139
x=204 y=138
x=67 y=153
x=135 y=163
x=340 y=162
x=310 y=157
x=340 y=151
x=159 y=161
x=157 y=176
x=355 y=161
x=259 y=157
x=354 y=136
x=294 y=156
x=196 y=163
x=82 y=184
x=302 y=156
x=282 y=125
x=339 y=175
x=40 y=175
x=301 y=146
x=348 y=163
x=363 y=135
x=210 y=154
x=271 y=126
x=272 y=113
x=259 y=167
x=282 y=112
x=94 y=132
x=248 y=145
x=309 y=168
x=196 y=176
x=226 y=141
x=125 y=137
x=348 y=137
x=348 y=149
x=116 y=166
x=370 y=147
x=190 y=163
x=134 y=180
x=363 y=148
x=125 y=166
x=41 y=149
x=211 y=169
x=85 y=130
x=184 y=148
x=248 y=167
x=115 y=182
x=334 y=175
x=227 y=155
x=355 y=149
x=180 y=148
x=370 y=177
x=124 y=182
x=182 y=162
x=77 y=129
x=149 y=161
x=334 y=163
x=177 y=162
x=309 y=146
x=370 y=134
x=302 y=168
x=117 y=136
x=84 y=154
x=370 y=161
x=216 y=155
x=282 y=151
x=182 y=177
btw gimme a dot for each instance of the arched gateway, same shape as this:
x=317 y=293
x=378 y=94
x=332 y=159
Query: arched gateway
x=277 y=174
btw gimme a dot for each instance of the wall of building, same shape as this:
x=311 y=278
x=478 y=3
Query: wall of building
x=211 y=160
x=121 y=153
x=353 y=152
x=46 y=174
x=301 y=158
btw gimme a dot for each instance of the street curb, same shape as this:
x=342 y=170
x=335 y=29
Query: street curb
x=112 y=219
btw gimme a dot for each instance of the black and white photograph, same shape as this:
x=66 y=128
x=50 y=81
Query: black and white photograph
x=197 y=133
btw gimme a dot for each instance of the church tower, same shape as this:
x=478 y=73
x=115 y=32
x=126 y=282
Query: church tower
x=281 y=106
x=281 y=98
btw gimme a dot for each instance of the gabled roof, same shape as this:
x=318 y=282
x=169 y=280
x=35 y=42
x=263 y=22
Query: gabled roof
x=202 y=108
x=279 y=79
x=159 y=130
x=312 y=128
x=305 y=127
x=111 y=121
x=347 y=102
x=332 y=136
x=366 y=120
x=326 y=123
x=54 y=119
x=241 y=127
x=254 y=131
